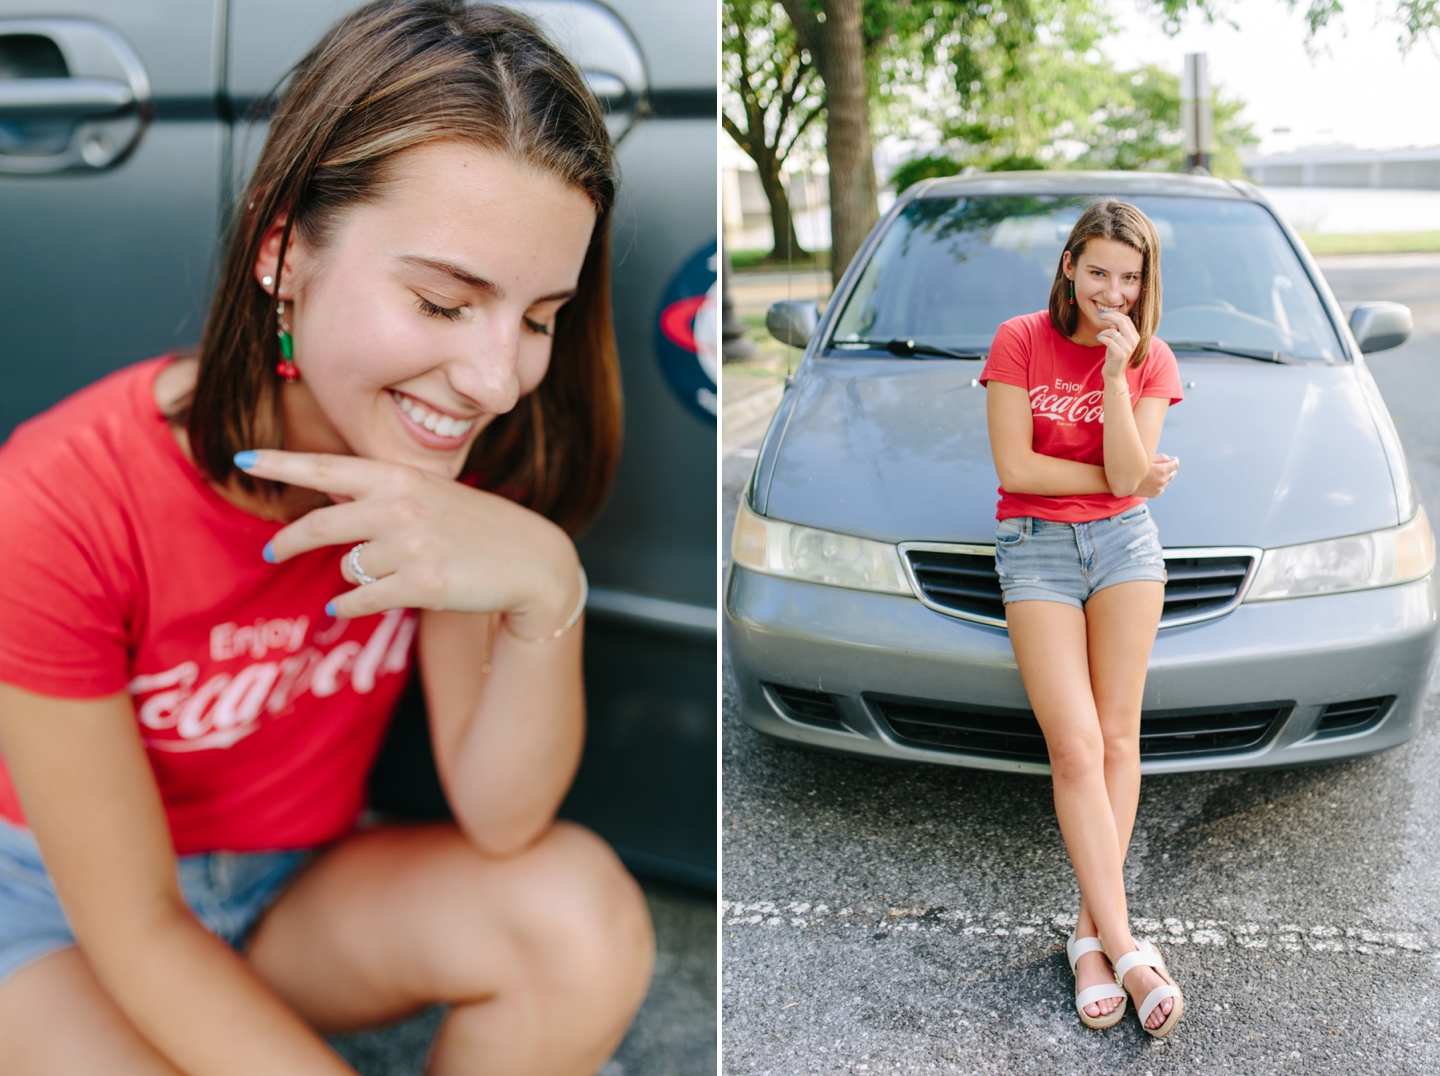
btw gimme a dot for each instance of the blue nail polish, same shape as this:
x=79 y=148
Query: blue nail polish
x=268 y=552
x=247 y=459
x=330 y=609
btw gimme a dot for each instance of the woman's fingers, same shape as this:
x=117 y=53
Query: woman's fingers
x=338 y=524
x=387 y=593
x=375 y=561
x=349 y=476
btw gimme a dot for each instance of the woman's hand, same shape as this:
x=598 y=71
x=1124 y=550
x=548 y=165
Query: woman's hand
x=1120 y=341
x=433 y=542
x=1162 y=471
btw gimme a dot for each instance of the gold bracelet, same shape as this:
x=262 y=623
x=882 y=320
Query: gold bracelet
x=1117 y=392
x=574 y=617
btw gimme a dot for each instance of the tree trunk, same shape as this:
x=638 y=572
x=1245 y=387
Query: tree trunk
x=838 y=47
x=782 y=222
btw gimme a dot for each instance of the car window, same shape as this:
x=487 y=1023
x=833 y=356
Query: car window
x=948 y=271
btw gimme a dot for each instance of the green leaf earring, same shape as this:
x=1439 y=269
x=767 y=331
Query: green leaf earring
x=1072 y=293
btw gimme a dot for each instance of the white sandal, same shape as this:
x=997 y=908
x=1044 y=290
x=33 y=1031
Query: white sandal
x=1075 y=948
x=1148 y=955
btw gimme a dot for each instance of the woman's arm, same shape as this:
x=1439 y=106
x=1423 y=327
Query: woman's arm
x=507 y=743
x=91 y=800
x=1020 y=467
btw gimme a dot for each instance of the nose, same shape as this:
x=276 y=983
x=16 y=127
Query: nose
x=484 y=368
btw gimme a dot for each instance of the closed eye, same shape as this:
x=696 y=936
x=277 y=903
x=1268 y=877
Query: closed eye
x=537 y=327
x=436 y=311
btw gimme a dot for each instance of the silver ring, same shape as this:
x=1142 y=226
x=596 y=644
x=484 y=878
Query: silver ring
x=355 y=569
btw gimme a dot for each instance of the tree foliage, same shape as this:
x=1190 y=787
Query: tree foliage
x=773 y=95
x=1416 y=19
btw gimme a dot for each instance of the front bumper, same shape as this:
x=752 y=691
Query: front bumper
x=855 y=645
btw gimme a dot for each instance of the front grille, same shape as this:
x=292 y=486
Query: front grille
x=1015 y=734
x=1199 y=586
x=807 y=707
x=961 y=580
x=1344 y=718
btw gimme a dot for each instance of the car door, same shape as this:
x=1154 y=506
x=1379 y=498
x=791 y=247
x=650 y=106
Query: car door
x=111 y=143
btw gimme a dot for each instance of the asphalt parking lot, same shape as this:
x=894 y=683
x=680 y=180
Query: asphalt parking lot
x=883 y=918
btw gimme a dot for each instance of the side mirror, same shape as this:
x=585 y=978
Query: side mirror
x=1381 y=326
x=792 y=322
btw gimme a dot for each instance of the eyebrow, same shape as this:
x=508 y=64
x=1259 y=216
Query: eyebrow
x=478 y=282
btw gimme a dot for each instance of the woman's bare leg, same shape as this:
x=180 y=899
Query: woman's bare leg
x=1120 y=628
x=1053 y=649
x=543 y=957
x=57 y=1020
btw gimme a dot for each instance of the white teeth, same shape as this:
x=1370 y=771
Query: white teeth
x=441 y=425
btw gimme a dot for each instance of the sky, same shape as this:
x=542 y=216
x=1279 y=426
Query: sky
x=1358 y=89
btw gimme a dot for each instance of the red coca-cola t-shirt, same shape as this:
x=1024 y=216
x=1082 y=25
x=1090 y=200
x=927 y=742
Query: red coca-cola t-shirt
x=125 y=571
x=1065 y=385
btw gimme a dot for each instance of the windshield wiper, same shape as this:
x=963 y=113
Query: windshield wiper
x=1225 y=349
x=909 y=349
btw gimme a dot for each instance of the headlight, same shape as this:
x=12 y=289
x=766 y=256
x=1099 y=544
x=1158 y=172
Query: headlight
x=1362 y=561
x=816 y=556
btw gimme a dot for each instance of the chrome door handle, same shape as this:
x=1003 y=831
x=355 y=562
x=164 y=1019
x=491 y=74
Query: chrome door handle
x=31 y=98
x=87 y=121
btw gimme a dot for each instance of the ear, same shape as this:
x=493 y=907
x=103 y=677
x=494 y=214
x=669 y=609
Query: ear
x=269 y=258
x=1067 y=266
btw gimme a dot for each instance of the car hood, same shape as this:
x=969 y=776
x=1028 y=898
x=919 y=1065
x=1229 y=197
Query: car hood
x=897 y=450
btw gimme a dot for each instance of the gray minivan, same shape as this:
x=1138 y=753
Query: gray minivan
x=863 y=613
x=126 y=131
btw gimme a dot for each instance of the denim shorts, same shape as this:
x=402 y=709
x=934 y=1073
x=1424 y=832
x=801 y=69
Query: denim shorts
x=1040 y=560
x=227 y=891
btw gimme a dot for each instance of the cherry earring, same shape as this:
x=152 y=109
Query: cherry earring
x=1072 y=293
x=286 y=367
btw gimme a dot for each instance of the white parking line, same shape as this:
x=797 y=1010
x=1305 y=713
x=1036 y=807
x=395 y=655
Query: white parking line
x=1197 y=930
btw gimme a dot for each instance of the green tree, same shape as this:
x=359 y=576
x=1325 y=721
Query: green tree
x=773 y=96
x=1416 y=20
x=1140 y=127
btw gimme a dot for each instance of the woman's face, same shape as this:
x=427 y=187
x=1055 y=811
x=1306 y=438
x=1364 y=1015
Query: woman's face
x=1106 y=277
x=430 y=309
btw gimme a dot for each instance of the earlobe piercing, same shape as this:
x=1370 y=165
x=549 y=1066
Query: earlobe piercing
x=267 y=281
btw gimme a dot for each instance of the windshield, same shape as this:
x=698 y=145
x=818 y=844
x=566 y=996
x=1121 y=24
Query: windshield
x=948 y=271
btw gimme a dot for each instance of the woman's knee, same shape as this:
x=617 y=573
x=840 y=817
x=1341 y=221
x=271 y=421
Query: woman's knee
x=1075 y=755
x=583 y=919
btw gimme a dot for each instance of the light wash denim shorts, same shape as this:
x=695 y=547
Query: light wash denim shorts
x=227 y=891
x=1040 y=560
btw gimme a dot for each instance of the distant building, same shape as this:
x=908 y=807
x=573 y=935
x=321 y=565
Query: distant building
x=1345 y=166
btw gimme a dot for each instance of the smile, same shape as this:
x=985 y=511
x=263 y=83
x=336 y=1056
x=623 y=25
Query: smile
x=436 y=423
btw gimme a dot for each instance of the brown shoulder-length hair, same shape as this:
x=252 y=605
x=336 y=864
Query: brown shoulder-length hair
x=1123 y=223
x=394 y=75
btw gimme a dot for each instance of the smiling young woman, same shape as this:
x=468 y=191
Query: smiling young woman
x=405 y=398
x=1075 y=397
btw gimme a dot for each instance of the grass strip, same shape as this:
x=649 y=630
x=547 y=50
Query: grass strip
x=1372 y=243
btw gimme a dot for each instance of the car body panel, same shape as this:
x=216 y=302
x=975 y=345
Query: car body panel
x=897 y=450
x=1310 y=651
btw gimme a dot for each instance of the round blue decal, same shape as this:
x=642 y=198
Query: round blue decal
x=687 y=333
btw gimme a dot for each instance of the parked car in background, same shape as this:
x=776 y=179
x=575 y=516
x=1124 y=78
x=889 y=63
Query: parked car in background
x=126 y=132
x=863 y=613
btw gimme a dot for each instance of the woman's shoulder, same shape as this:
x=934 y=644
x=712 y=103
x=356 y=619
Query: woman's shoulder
x=115 y=403
x=75 y=448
